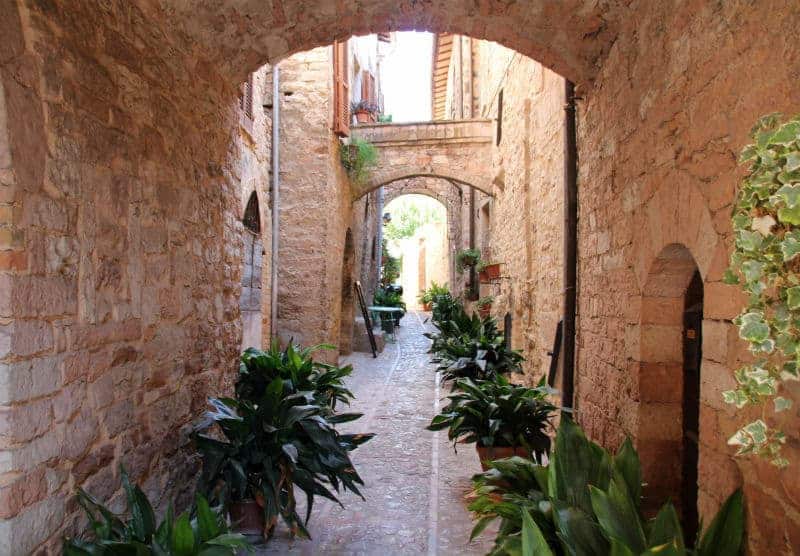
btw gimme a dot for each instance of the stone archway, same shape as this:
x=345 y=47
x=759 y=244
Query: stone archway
x=669 y=382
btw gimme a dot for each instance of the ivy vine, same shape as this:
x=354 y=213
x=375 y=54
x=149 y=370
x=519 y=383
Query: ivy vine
x=765 y=262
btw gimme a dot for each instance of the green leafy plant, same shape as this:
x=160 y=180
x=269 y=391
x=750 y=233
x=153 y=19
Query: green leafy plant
x=485 y=301
x=384 y=118
x=358 y=158
x=497 y=413
x=472 y=347
x=433 y=292
x=390 y=267
x=205 y=534
x=766 y=225
x=364 y=106
x=267 y=449
x=443 y=308
x=299 y=371
x=585 y=501
x=467 y=258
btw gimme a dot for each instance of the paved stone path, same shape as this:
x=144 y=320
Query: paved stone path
x=414 y=483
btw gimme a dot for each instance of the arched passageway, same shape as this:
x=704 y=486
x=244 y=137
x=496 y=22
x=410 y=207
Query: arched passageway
x=669 y=382
x=121 y=243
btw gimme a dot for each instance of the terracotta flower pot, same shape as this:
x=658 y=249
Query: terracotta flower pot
x=427 y=307
x=490 y=453
x=363 y=117
x=247 y=517
x=489 y=273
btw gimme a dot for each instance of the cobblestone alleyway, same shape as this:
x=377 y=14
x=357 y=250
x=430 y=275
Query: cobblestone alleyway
x=414 y=483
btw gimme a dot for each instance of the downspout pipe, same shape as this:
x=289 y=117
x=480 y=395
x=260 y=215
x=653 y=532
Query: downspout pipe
x=570 y=246
x=276 y=198
x=472 y=276
x=379 y=205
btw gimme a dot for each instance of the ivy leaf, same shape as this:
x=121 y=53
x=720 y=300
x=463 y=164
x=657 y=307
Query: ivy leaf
x=789 y=195
x=763 y=224
x=786 y=134
x=792 y=161
x=735 y=397
x=789 y=215
x=757 y=431
x=749 y=241
x=750 y=152
x=793 y=298
x=789 y=371
x=752 y=270
x=782 y=404
x=730 y=278
x=790 y=247
x=753 y=328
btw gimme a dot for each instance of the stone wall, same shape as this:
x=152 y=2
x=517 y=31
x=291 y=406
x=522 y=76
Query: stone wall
x=120 y=256
x=120 y=219
x=659 y=134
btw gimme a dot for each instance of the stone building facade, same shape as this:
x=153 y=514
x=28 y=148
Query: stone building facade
x=121 y=212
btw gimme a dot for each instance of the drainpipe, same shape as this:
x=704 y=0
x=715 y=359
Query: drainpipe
x=276 y=198
x=472 y=235
x=379 y=239
x=570 y=245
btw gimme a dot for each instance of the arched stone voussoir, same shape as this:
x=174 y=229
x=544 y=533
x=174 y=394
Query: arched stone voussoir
x=676 y=214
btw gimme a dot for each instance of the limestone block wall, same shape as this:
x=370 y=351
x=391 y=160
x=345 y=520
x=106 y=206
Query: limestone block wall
x=120 y=255
x=520 y=226
x=315 y=208
x=659 y=134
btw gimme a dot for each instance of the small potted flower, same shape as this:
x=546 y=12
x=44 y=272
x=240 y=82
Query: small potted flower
x=488 y=271
x=484 y=305
x=365 y=111
x=466 y=258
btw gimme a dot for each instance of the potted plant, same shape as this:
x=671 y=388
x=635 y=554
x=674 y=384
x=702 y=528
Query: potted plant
x=598 y=498
x=500 y=418
x=207 y=533
x=428 y=296
x=470 y=346
x=358 y=158
x=364 y=111
x=466 y=258
x=488 y=271
x=386 y=298
x=277 y=437
x=484 y=305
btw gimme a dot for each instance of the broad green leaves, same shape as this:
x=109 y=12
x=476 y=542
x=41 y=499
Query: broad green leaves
x=766 y=225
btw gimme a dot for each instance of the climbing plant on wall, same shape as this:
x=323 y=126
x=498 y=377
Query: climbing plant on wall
x=766 y=263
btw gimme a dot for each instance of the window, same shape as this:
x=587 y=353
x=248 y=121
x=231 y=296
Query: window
x=252 y=216
x=367 y=87
x=246 y=99
x=341 y=90
x=499 y=117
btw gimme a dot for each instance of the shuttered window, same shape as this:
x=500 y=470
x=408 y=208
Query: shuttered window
x=368 y=87
x=246 y=100
x=341 y=90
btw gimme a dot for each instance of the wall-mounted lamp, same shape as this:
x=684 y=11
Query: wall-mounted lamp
x=387 y=217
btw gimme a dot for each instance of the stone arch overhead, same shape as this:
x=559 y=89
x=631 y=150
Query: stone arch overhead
x=384 y=178
x=437 y=190
x=570 y=37
x=676 y=214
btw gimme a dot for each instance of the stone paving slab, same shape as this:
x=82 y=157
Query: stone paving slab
x=415 y=485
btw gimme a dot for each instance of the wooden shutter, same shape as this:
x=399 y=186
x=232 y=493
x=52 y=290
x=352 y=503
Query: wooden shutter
x=341 y=90
x=246 y=102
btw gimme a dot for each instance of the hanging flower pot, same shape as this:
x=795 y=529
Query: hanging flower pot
x=363 y=117
x=489 y=272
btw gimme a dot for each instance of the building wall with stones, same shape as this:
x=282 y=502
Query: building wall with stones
x=519 y=225
x=121 y=221
x=121 y=253
x=315 y=207
x=659 y=135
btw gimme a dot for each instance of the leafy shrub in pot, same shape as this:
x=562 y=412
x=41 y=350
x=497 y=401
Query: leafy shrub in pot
x=277 y=435
x=498 y=414
x=206 y=534
x=586 y=501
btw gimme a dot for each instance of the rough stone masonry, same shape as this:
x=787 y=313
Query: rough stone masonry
x=120 y=210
